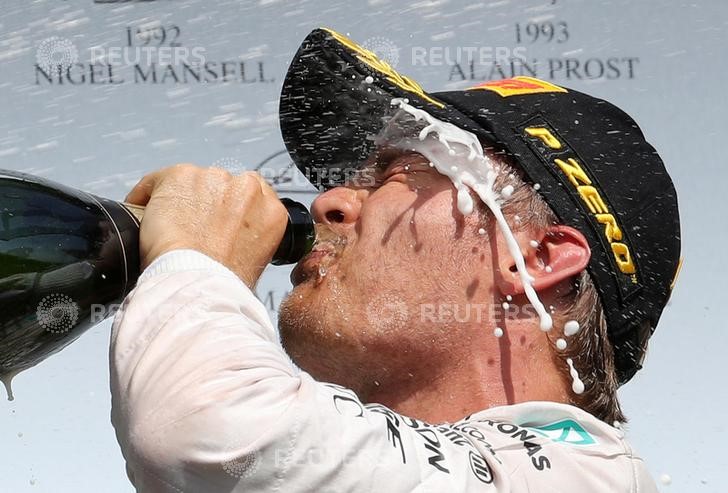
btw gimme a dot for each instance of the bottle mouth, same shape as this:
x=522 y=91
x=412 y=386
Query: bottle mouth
x=299 y=236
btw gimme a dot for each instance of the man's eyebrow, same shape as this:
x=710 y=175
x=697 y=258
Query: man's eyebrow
x=383 y=159
x=400 y=158
x=379 y=161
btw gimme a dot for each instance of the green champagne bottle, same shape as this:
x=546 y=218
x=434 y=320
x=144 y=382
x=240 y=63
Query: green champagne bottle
x=68 y=259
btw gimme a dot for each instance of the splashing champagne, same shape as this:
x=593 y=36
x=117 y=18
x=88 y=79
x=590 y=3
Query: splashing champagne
x=67 y=258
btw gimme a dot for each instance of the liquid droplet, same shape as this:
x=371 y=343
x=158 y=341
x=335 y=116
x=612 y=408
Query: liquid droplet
x=571 y=327
x=546 y=323
x=7 y=381
x=576 y=385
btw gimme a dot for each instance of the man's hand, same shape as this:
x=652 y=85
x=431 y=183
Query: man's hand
x=236 y=220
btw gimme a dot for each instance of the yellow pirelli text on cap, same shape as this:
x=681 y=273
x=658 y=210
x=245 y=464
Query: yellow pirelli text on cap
x=392 y=75
x=517 y=86
x=545 y=136
x=591 y=197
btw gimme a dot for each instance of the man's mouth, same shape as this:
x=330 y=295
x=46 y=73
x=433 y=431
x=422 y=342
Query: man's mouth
x=311 y=265
x=327 y=249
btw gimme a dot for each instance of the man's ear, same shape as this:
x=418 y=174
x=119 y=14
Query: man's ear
x=561 y=253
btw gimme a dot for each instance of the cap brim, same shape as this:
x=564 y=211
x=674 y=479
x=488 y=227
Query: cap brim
x=336 y=97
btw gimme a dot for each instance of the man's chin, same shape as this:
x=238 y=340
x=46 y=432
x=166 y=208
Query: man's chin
x=296 y=317
x=315 y=345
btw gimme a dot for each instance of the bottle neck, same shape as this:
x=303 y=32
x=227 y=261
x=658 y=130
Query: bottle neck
x=126 y=222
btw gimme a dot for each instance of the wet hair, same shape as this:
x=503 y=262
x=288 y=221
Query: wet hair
x=589 y=349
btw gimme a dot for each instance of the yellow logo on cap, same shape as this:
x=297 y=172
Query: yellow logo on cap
x=392 y=75
x=518 y=86
x=573 y=171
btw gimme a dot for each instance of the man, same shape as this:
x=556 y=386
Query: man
x=462 y=324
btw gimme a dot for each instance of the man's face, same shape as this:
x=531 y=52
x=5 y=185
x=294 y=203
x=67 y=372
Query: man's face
x=364 y=303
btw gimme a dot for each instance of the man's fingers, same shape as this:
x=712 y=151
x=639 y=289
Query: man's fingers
x=142 y=191
x=213 y=212
x=265 y=187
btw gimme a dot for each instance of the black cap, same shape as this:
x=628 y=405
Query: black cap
x=590 y=160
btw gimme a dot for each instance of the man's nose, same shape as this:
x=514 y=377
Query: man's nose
x=339 y=205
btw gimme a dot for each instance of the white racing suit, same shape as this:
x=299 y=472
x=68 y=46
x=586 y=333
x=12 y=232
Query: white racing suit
x=204 y=400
